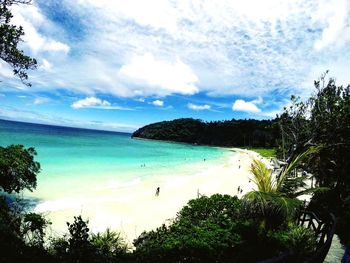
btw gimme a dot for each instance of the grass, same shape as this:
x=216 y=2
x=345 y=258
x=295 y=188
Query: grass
x=265 y=152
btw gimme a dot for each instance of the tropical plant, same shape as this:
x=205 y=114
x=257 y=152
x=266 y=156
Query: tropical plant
x=297 y=239
x=270 y=204
x=109 y=245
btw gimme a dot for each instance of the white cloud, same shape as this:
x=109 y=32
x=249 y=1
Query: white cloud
x=198 y=107
x=338 y=69
x=158 y=14
x=45 y=65
x=90 y=102
x=40 y=100
x=169 y=77
x=158 y=103
x=30 y=18
x=96 y=103
x=335 y=14
x=157 y=48
x=5 y=70
x=241 y=105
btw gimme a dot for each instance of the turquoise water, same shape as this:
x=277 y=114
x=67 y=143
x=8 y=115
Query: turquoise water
x=74 y=158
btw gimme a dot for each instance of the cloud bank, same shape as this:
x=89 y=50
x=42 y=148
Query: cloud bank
x=160 y=48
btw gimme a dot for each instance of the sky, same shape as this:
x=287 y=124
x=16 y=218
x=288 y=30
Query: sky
x=119 y=65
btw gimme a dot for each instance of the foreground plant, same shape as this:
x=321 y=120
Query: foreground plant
x=274 y=202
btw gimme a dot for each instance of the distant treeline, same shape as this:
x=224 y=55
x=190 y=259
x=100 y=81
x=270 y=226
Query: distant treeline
x=246 y=133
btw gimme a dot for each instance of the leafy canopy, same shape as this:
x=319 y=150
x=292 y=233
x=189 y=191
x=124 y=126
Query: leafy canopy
x=18 y=170
x=10 y=37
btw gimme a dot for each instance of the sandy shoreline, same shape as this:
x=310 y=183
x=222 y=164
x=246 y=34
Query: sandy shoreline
x=135 y=208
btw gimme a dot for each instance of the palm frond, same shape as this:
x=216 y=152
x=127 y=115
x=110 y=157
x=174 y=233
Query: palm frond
x=262 y=177
x=310 y=191
x=294 y=164
x=271 y=208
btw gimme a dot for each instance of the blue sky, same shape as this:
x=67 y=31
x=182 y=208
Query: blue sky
x=119 y=65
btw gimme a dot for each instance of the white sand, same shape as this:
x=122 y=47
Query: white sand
x=135 y=208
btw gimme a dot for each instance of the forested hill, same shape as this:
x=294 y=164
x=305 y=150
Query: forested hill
x=253 y=133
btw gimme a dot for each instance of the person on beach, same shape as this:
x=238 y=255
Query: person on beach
x=157 y=191
x=238 y=189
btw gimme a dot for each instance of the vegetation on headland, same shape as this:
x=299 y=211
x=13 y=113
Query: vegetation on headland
x=230 y=133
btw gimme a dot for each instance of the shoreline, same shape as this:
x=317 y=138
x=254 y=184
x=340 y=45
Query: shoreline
x=136 y=208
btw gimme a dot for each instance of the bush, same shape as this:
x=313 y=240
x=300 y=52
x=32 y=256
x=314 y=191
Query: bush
x=207 y=229
x=296 y=239
x=80 y=246
x=109 y=246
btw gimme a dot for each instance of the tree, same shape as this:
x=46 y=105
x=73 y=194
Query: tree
x=18 y=170
x=10 y=36
x=34 y=229
x=325 y=121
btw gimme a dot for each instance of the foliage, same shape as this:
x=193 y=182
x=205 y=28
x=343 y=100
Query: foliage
x=109 y=245
x=10 y=36
x=272 y=204
x=324 y=119
x=34 y=229
x=271 y=209
x=216 y=207
x=217 y=229
x=18 y=170
x=297 y=239
x=293 y=124
x=205 y=230
x=81 y=246
x=263 y=178
x=293 y=164
x=252 y=133
x=13 y=242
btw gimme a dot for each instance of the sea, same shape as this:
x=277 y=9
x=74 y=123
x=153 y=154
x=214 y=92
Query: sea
x=75 y=162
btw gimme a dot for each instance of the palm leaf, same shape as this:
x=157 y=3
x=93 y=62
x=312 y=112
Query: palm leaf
x=294 y=164
x=310 y=191
x=262 y=177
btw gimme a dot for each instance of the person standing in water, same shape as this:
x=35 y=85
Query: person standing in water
x=157 y=191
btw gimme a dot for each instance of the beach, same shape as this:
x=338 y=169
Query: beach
x=135 y=207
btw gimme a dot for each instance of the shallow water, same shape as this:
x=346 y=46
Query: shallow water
x=77 y=161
